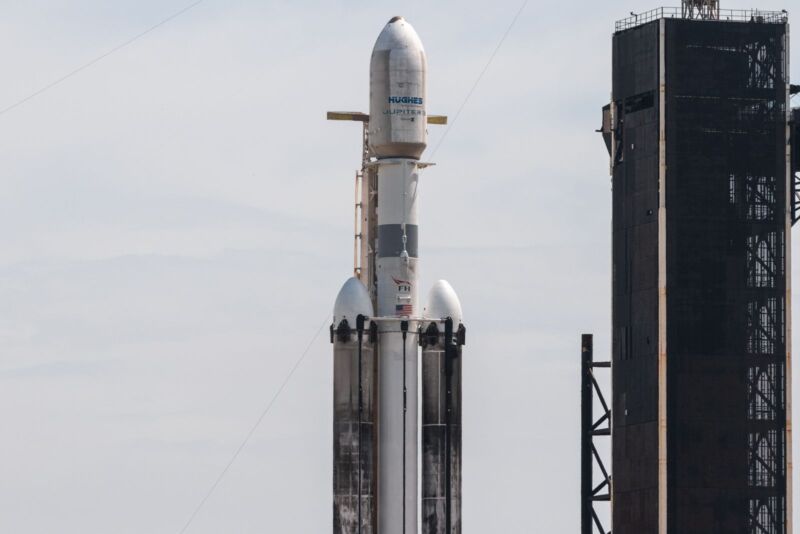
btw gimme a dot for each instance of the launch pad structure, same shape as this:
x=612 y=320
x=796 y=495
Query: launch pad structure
x=705 y=165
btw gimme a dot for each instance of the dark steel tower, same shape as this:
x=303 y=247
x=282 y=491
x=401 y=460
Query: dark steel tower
x=699 y=135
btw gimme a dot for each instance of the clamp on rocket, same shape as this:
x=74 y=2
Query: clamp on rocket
x=380 y=338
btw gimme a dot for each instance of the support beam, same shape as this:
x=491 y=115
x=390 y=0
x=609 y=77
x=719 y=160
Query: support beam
x=592 y=428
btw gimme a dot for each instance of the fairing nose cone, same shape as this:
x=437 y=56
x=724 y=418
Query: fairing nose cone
x=398 y=126
x=398 y=34
x=443 y=302
x=353 y=300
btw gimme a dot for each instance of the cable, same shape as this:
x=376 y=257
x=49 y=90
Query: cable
x=255 y=426
x=100 y=57
x=480 y=77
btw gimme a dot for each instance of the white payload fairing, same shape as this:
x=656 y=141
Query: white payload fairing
x=381 y=337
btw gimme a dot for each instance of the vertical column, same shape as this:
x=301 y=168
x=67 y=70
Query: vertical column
x=793 y=166
x=662 y=280
x=586 y=432
x=441 y=427
x=767 y=222
x=396 y=262
x=354 y=439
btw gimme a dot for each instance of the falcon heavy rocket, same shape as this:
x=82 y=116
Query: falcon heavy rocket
x=387 y=416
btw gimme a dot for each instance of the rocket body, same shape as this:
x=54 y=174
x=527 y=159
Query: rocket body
x=383 y=479
x=442 y=339
x=397 y=296
x=397 y=138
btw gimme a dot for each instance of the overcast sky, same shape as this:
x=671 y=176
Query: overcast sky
x=176 y=221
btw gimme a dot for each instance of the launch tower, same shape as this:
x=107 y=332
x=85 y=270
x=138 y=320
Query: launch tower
x=699 y=133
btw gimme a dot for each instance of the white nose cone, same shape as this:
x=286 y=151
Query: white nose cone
x=353 y=300
x=397 y=83
x=443 y=303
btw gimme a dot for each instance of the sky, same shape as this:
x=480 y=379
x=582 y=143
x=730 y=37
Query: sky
x=177 y=221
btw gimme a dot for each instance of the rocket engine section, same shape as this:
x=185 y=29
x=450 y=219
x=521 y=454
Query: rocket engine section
x=397 y=73
x=442 y=338
x=354 y=412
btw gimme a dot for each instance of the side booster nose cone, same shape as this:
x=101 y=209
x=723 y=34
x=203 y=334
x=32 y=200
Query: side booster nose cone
x=354 y=412
x=443 y=302
x=353 y=300
x=397 y=74
x=442 y=338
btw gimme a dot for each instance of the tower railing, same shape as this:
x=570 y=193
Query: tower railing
x=728 y=15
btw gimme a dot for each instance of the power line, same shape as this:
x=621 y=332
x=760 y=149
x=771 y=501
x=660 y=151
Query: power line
x=480 y=77
x=100 y=57
x=254 y=427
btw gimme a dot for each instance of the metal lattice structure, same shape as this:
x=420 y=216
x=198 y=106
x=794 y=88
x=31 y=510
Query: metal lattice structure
x=592 y=428
x=704 y=198
x=700 y=9
x=761 y=206
x=795 y=133
x=366 y=214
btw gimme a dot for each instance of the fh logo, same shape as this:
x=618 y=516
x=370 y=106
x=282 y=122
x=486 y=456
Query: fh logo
x=403 y=286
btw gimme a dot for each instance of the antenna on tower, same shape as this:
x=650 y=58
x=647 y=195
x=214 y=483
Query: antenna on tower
x=700 y=9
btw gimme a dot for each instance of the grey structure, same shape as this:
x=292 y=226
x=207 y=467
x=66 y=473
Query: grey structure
x=698 y=132
x=441 y=428
x=354 y=428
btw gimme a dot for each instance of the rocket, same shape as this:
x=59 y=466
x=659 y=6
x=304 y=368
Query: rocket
x=387 y=416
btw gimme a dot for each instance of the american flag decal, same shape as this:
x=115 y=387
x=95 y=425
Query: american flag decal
x=404 y=309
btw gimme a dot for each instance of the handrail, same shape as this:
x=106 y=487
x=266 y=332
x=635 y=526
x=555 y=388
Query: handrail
x=731 y=15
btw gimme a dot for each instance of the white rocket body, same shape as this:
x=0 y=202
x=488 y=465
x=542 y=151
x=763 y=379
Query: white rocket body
x=397 y=134
x=397 y=138
x=397 y=296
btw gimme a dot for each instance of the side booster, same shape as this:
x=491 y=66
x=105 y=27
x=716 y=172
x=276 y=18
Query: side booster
x=442 y=337
x=378 y=330
x=355 y=413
